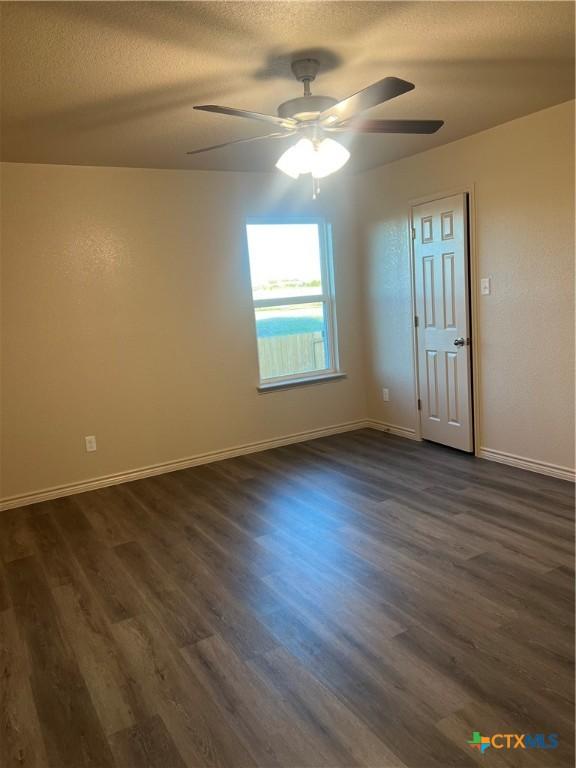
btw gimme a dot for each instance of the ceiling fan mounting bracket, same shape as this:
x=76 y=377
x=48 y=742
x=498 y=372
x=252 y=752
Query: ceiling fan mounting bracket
x=305 y=70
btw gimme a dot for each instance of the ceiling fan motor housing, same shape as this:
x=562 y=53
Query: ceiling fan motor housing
x=305 y=107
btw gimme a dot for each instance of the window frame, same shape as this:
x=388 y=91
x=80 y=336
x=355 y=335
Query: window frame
x=327 y=299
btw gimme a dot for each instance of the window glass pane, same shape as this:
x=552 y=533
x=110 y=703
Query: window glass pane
x=292 y=339
x=284 y=260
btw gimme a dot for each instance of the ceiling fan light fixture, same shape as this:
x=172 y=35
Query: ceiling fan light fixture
x=313 y=116
x=297 y=159
x=322 y=159
x=329 y=156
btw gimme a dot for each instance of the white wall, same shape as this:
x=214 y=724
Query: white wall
x=523 y=175
x=127 y=315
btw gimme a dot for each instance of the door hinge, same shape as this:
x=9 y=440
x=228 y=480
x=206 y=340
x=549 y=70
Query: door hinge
x=419 y=404
x=413 y=233
x=416 y=322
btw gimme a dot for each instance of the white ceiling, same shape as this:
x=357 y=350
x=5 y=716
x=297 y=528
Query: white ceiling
x=113 y=83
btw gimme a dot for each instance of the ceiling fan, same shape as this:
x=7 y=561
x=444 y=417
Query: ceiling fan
x=315 y=118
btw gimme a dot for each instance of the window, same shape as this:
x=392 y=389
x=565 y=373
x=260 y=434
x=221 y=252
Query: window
x=292 y=290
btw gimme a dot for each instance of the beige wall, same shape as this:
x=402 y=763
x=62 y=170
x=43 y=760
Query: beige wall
x=127 y=315
x=127 y=309
x=523 y=175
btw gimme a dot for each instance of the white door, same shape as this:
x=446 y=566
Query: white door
x=441 y=278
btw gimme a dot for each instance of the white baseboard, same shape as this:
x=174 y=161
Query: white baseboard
x=171 y=466
x=410 y=434
x=543 y=467
x=553 y=470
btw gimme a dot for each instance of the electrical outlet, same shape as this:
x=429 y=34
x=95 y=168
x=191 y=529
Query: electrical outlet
x=90 y=441
x=386 y=395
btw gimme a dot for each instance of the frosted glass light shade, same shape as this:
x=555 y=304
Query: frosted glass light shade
x=328 y=158
x=297 y=159
x=321 y=160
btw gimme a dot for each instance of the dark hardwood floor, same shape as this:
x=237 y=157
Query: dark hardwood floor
x=358 y=600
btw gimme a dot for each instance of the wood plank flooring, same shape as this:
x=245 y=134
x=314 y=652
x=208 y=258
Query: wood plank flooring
x=358 y=600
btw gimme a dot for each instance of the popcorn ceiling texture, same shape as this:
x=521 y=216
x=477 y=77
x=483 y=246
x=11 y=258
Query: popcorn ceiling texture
x=113 y=84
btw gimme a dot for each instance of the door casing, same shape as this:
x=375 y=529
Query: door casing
x=469 y=191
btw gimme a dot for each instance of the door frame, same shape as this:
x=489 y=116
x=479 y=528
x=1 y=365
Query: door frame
x=469 y=191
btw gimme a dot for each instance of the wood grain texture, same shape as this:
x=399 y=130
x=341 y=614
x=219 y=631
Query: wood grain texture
x=359 y=600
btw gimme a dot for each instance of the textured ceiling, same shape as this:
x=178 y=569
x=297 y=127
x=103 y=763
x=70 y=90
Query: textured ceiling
x=113 y=83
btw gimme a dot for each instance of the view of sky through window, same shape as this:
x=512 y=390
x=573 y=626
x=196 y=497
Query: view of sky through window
x=290 y=306
x=284 y=260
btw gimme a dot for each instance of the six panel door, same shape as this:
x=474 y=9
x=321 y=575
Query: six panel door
x=441 y=278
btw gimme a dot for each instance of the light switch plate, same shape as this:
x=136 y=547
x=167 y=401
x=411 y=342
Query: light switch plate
x=485 y=286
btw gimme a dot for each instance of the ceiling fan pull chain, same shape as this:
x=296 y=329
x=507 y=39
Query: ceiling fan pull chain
x=315 y=187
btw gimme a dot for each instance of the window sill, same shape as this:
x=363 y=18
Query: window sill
x=320 y=379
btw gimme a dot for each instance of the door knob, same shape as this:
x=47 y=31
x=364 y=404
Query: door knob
x=461 y=342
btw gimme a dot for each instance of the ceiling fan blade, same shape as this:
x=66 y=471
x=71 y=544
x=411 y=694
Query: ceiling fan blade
x=281 y=122
x=238 y=141
x=374 y=94
x=388 y=126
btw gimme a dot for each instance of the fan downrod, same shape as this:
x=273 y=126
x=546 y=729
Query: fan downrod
x=305 y=71
x=307 y=107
